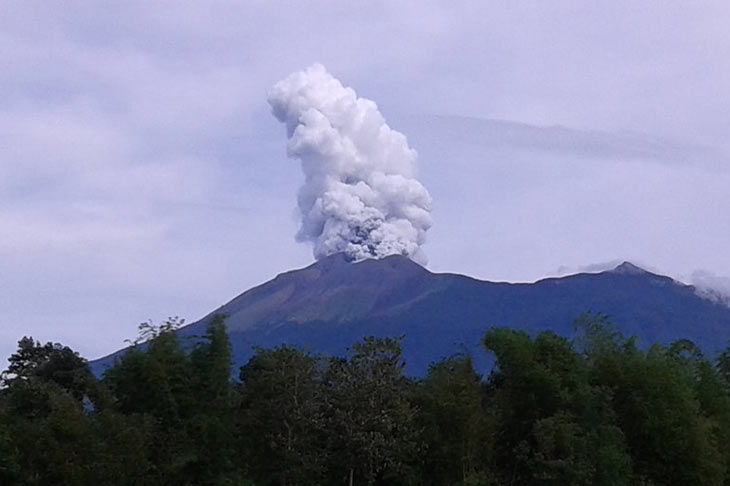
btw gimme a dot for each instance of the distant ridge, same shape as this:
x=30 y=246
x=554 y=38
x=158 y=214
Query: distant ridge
x=332 y=303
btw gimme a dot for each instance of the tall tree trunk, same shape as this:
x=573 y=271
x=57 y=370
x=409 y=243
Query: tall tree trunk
x=352 y=476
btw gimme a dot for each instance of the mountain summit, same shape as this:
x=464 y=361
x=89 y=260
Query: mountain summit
x=333 y=290
x=628 y=268
x=332 y=303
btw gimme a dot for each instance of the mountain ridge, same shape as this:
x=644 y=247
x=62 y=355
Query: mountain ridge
x=332 y=303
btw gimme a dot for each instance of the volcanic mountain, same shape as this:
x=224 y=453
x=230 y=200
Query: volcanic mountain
x=332 y=303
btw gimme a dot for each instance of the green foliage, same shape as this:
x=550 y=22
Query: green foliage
x=35 y=367
x=657 y=397
x=457 y=425
x=282 y=417
x=657 y=406
x=187 y=400
x=371 y=419
x=554 y=425
x=597 y=410
x=9 y=460
x=214 y=408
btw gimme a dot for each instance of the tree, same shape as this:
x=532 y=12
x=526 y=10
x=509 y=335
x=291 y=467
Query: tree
x=371 y=417
x=153 y=376
x=722 y=365
x=9 y=460
x=215 y=406
x=33 y=365
x=186 y=396
x=457 y=425
x=654 y=395
x=282 y=417
x=554 y=426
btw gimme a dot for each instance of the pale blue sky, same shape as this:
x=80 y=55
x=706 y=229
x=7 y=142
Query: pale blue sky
x=142 y=174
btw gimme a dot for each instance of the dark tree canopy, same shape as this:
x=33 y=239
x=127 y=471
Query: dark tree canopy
x=594 y=410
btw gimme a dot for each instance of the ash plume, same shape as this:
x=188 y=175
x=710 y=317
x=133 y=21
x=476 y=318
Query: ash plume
x=711 y=286
x=360 y=195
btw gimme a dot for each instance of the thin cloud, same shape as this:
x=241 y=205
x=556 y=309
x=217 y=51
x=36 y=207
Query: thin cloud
x=624 y=145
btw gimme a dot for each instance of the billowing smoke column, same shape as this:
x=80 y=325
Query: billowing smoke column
x=359 y=195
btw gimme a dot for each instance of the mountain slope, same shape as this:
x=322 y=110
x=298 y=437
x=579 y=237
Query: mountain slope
x=332 y=303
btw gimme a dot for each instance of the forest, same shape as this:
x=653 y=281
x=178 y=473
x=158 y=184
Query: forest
x=593 y=409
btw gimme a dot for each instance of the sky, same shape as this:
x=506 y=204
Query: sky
x=142 y=174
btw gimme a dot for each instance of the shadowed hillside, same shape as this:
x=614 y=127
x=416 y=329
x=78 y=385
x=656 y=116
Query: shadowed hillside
x=329 y=305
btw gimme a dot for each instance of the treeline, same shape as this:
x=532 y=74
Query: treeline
x=592 y=410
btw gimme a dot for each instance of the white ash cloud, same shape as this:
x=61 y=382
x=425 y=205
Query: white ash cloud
x=360 y=195
x=711 y=286
x=599 y=267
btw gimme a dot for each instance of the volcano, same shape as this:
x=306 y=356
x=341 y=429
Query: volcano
x=331 y=304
